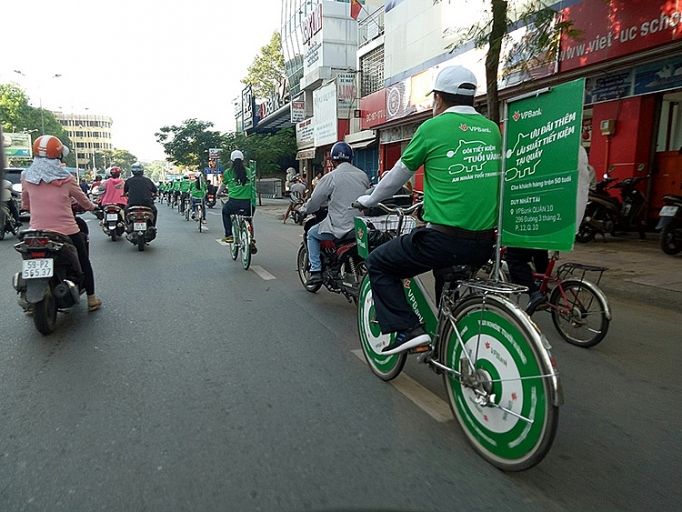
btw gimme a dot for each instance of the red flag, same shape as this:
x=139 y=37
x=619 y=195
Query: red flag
x=355 y=8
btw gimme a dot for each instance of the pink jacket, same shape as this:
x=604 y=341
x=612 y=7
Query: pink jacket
x=50 y=204
x=113 y=188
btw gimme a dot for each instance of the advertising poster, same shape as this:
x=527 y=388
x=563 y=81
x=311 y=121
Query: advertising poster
x=541 y=169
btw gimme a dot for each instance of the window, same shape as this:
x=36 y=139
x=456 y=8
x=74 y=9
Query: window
x=670 y=125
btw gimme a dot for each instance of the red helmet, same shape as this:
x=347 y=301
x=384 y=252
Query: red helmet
x=48 y=146
x=115 y=172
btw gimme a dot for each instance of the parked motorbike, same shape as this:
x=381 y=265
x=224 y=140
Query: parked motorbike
x=139 y=226
x=607 y=214
x=342 y=268
x=51 y=278
x=112 y=221
x=7 y=223
x=670 y=224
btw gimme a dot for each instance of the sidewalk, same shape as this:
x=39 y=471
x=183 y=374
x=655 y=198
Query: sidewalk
x=637 y=269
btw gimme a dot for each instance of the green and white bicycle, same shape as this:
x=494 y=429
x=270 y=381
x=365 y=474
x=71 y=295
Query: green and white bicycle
x=242 y=232
x=501 y=381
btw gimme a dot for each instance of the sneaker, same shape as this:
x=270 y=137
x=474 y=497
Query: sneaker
x=194 y=217
x=203 y=221
x=537 y=299
x=227 y=239
x=315 y=278
x=405 y=340
x=254 y=249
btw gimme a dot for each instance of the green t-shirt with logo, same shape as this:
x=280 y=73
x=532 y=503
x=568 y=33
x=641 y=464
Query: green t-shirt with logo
x=184 y=185
x=236 y=190
x=461 y=158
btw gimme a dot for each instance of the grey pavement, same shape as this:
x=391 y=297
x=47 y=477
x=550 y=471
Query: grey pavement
x=638 y=270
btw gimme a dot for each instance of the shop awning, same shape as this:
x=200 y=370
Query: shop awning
x=306 y=154
x=362 y=144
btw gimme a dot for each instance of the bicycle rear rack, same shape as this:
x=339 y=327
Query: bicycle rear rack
x=578 y=271
x=496 y=287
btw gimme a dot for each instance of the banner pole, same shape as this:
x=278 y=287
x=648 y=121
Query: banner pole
x=503 y=169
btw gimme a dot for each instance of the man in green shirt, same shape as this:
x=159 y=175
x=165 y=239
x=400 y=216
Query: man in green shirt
x=460 y=151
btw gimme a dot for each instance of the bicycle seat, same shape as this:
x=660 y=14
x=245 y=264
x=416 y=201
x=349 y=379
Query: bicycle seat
x=243 y=213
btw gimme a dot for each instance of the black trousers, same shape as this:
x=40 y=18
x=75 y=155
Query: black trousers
x=518 y=260
x=420 y=251
x=80 y=240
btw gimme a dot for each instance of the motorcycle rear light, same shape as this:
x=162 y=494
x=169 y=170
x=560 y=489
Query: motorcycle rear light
x=37 y=254
x=37 y=241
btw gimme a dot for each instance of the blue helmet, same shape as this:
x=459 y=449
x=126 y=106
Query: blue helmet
x=342 y=152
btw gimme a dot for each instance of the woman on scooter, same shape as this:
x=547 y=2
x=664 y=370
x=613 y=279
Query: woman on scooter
x=47 y=189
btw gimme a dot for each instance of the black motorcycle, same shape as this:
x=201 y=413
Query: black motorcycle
x=670 y=224
x=607 y=214
x=50 y=279
x=210 y=200
x=342 y=268
x=112 y=220
x=139 y=226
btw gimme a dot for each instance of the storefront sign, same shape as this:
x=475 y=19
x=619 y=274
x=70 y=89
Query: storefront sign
x=398 y=133
x=373 y=109
x=658 y=76
x=17 y=144
x=313 y=24
x=297 y=111
x=345 y=91
x=609 y=87
x=324 y=110
x=305 y=133
x=247 y=108
x=541 y=169
x=613 y=29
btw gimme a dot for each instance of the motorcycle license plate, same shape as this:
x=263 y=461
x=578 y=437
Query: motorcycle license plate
x=36 y=268
x=668 y=211
x=140 y=226
x=112 y=216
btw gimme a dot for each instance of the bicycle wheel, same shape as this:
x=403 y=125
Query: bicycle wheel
x=245 y=242
x=234 y=246
x=303 y=267
x=372 y=340
x=507 y=405
x=199 y=214
x=581 y=315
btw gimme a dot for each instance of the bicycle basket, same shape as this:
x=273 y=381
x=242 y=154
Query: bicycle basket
x=389 y=224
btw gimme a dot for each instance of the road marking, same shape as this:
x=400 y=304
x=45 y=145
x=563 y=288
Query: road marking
x=438 y=409
x=264 y=274
x=219 y=240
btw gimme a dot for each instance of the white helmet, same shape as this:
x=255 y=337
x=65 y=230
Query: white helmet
x=236 y=155
x=197 y=174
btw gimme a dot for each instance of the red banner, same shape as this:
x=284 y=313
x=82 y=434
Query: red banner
x=373 y=108
x=616 y=28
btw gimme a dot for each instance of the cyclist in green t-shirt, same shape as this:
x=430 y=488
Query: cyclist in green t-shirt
x=238 y=179
x=460 y=151
x=197 y=191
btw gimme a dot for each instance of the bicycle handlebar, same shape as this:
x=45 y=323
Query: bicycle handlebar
x=391 y=209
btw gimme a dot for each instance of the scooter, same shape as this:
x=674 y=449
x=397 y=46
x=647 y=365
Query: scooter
x=112 y=221
x=342 y=268
x=607 y=214
x=210 y=200
x=7 y=223
x=670 y=224
x=139 y=226
x=51 y=278
x=296 y=203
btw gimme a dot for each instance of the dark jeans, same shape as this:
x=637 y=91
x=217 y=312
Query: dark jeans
x=407 y=256
x=231 y=207
x=80 y=240
x=519 y=269
x=12 y=207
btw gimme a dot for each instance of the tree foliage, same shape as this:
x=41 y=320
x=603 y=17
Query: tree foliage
x=268 y=150
x=267 y=70
x=540 y=45
x=18 y=116
x=188 y=144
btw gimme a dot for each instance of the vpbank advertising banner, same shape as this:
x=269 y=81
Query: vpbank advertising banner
x=541 y=169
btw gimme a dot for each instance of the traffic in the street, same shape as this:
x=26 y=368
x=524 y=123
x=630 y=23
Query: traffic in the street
x=199 y=386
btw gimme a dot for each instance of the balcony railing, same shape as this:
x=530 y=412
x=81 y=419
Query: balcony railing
x=371 y=27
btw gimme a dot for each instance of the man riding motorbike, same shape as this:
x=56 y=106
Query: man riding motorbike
x=140 y=190
x=339 y=189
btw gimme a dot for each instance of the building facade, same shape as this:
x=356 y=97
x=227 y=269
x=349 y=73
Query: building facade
x=91 y=136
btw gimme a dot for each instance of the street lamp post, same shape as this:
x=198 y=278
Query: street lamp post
x=40 y=99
